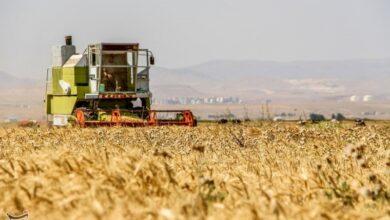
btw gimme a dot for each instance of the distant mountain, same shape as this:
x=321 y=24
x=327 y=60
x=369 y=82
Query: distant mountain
x=278 y=80
x=260 y=80
x=9 y=81
x=6 y=79
x=298 y=69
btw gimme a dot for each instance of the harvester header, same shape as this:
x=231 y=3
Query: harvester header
x=106 y=85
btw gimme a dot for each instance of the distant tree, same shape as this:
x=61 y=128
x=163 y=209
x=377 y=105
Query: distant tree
x=223 y=121
x=236 y=121
x=338 y=117
x=315 y=118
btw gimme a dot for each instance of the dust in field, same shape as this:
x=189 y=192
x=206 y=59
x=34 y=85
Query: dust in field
x=249 y=171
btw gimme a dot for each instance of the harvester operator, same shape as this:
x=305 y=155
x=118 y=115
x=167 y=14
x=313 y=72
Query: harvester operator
x=108 y=81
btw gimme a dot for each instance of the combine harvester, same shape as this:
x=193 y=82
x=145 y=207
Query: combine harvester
x=106 y=85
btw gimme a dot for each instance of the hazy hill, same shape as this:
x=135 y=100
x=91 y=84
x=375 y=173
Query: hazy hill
x=10 y=81
x=259 y=79
x=319 y=84
x=21 y=97
x=253 y=80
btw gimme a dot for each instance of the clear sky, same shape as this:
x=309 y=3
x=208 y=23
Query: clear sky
x=183 y=32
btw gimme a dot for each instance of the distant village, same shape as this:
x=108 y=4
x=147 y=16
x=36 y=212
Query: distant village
x=213 y=100
x=197 y=100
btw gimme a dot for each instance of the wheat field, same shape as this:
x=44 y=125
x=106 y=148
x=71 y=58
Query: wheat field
x=247 y=171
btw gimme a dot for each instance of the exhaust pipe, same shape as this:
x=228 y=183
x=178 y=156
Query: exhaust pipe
x=68 y=40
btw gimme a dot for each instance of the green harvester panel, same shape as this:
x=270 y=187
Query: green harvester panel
x=56 y=77
x=62 y=105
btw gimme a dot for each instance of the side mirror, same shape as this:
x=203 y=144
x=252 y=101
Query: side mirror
x=151 y=60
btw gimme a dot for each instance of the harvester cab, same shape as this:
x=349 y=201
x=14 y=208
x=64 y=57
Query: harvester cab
x=106 y=85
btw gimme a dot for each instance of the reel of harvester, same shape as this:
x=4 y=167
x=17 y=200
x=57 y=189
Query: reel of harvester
x=134 y=118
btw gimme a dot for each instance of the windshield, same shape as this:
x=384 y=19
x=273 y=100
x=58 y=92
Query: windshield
x=120 y=68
